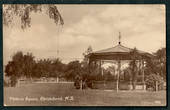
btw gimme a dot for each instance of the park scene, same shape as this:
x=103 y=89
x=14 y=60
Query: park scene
x=69 y=55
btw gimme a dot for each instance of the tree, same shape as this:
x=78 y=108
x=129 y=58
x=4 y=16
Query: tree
x=89 y=72
x=37 y=70
x=45 y=67
x=154 y=80
x=11 y=72
x=85 y=66
x=73 y=68
x=86 y=53
x=133 y=66
x=58 y=65
x=20 y=66
x=23 y=11
x=42 y=68
x=155 y=70
x=161 y=62
x=58 y=68
x=151 y=67
x=14 y=67
x=29 y=64
x=157 y=65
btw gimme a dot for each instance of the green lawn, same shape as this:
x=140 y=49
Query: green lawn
x=89 y=97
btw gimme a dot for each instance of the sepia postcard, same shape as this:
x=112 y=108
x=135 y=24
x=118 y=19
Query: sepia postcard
x=84 y=55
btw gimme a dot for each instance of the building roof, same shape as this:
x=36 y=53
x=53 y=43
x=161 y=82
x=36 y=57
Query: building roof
x=117 y=52
x=117 y=49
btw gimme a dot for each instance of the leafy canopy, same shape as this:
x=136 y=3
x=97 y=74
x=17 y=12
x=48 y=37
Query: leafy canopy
x=23 y=11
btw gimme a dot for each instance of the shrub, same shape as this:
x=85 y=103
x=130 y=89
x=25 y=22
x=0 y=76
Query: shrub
x=77 y=84
x=6 y=84
x=151 y=82
x=13 y=81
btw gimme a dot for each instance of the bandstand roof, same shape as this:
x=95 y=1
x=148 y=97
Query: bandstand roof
x=117 y=49
x=117 y=52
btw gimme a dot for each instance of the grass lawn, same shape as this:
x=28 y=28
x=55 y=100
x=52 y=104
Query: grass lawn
x=64 y=94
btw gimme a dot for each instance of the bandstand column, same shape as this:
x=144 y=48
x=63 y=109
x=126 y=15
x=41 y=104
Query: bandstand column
x=143 y=75
x=100 y=66
x=102 y=73
x=130 y=80
x=118 y=75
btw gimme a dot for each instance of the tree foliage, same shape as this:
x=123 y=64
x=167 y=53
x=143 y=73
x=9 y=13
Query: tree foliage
x=21 y=65
x=85 y=63
x=151 y=81
x=25 y=65
x=157 y=65
x=133 y=65
x=73 y=68
x=23 y=11
x=86 y=53
x=161 y=62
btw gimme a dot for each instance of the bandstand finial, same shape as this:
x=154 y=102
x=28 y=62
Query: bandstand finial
x=119 y=38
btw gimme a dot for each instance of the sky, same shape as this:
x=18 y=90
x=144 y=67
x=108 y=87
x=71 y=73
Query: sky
x=98 y=26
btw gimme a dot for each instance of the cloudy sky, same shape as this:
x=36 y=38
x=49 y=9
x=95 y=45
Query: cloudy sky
x=141 y=26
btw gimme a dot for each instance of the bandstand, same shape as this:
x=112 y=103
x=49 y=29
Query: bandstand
x=119 y=53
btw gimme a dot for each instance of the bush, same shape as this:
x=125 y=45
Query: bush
x=6 y=84
x=89 y=83
x=13 y=81
x=77 y=84
x=151 y=82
